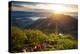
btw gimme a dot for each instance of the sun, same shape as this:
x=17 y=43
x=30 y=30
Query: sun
x=57 y=8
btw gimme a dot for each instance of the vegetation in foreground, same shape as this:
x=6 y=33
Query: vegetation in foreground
x=30 y=40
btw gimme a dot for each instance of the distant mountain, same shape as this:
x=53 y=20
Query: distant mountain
x=23 y=18
x=65 y=24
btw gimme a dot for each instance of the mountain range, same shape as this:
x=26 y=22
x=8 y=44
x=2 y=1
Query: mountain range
x=65 y=23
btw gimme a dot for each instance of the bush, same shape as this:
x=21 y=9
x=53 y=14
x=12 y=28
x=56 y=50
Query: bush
x=35 y=37
x=62 y=42
x=29 y=38
x=66 y=44
x=17 y=39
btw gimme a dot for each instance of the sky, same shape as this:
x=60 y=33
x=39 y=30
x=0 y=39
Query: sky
x=53 y=7
x=54 y=1
x=49 y=6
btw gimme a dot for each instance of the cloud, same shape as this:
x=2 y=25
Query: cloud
x=27 y=6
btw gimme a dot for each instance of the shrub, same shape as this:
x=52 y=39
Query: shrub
x=35 y=37
x=17 y=39
x=29 y=38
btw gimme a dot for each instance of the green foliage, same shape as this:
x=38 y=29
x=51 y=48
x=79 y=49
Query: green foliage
x=17 y=39
x=21 y=38
x=65 y=44
x=62 y=42
x=35 y=36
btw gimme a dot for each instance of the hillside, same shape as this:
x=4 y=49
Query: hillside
x=65 y=24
